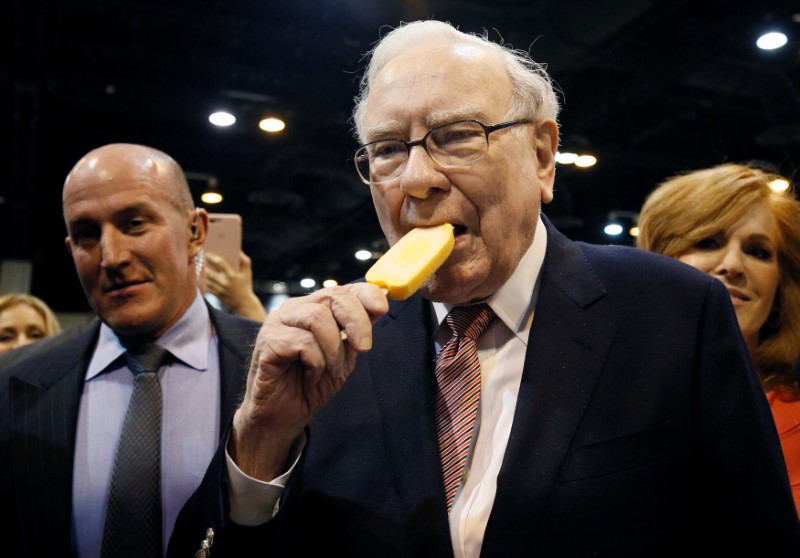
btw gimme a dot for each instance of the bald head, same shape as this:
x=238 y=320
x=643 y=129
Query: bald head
x=115 y=163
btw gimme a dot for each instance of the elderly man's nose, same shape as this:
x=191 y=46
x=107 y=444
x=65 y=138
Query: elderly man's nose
x=422 y=175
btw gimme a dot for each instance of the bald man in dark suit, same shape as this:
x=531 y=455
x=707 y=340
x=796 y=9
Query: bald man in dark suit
x=134 y=236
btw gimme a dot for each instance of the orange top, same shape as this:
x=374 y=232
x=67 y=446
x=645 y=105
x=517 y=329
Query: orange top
x=786 y=412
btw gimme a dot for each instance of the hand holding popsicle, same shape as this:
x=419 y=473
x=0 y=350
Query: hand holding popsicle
x=300 y=361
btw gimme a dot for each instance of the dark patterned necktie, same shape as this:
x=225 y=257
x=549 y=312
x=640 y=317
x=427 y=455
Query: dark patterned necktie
x=133 y=517
x=458 y=379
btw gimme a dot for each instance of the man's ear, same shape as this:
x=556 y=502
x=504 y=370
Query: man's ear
x=68 y=244
x=546 y=145
x=198 y=227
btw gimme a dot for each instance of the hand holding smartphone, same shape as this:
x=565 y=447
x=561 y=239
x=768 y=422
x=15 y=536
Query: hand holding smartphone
x=225 y=237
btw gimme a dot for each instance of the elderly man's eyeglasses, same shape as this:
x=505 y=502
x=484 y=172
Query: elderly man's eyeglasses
x=454 y=145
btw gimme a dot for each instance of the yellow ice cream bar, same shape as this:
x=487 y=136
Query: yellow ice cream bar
x=408 y=264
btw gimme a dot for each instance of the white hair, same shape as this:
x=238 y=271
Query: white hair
x=533 y=92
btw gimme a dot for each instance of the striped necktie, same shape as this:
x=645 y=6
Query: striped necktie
x=458 y=383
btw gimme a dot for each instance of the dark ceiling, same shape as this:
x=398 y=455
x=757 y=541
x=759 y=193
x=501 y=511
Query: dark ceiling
x=649 y=87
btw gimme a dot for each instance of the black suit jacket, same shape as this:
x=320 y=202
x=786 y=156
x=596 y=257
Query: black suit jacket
x=640 y=430
x=40 y=390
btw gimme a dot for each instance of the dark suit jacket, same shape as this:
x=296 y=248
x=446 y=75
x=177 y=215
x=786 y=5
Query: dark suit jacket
x=640 y=430
x=40 y=389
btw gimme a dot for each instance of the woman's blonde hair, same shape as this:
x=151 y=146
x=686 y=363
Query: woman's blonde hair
x=51 y=325
x=697 y=205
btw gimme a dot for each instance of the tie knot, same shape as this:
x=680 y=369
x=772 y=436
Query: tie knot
x=469 y=321
x=147 y=357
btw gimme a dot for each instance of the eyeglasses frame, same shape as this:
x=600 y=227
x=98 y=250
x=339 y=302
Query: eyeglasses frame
x=487 y=129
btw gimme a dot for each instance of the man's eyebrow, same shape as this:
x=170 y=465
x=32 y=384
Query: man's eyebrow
x=395 y=129
x=80 y=221
x=386 y=129
x=125 y=212
x=468 y=112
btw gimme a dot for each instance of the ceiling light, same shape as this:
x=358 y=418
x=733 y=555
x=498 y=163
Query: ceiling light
x=222 y=119
x=779 y=185
x=330 y=283
x=586 y=161
x=211 y=195
x=771 y=41
x=272 y=125
x=619 y=220
x=566 y=158
x=363 y=255
x=279 y=287
x=307 y=283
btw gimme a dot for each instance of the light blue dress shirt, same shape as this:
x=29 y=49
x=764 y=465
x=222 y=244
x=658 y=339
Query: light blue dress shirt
x=190 y=387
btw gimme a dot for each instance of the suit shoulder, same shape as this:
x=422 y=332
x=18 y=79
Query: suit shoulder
x=65 y=344
x=629 y=264
x=225 y=320
x=234 y=331
x=51 y=345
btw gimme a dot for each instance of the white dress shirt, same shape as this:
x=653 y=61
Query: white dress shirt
x=501 y=350
x=190 y=388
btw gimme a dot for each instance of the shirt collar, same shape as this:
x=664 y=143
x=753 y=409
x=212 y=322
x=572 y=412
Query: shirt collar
x=523 y=285
x=187 y=341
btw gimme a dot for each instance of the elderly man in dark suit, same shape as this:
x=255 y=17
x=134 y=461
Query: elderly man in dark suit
x=67 y=402
x=618 y=414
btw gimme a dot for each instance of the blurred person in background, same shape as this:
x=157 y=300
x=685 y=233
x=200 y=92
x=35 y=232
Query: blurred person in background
x=729 y=223
x=25 y=319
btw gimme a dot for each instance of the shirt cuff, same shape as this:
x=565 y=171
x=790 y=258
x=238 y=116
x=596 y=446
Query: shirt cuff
x=255 y=502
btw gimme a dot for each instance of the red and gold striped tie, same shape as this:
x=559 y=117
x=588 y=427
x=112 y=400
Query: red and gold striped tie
x=458 y=379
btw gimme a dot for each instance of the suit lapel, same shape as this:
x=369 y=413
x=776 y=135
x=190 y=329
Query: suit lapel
x=235 y=336
x=568 y=348
x=44 y=413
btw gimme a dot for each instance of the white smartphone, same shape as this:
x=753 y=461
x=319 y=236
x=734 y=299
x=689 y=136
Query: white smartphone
x=225 y=237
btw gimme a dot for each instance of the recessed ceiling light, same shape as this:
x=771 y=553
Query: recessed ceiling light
x=222 y=118
x=211 y=197
x=566 y=158
x=771 y=41
x=586 y=161
x=272 y=125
